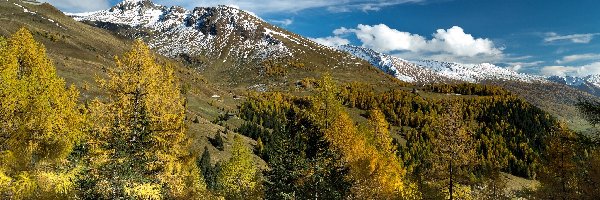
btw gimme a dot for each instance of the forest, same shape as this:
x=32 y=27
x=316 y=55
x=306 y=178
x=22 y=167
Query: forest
x=343 y=141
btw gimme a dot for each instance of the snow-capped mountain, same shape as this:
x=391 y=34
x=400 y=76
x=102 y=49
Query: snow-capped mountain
x=428 y=71
x=589 y=84
x=174 y=31
x=227 y=44
x=397 y=67
x=477 y=73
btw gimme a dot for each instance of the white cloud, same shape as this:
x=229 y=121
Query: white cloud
x=283 y=22
x=79 y=5
x=579 y=71
x=574 y=38
x=456 y=41
x=383 y=38
x=331 y=41
x=273 y=6
x=446 y=45
x=517 y=66
x=578 y=57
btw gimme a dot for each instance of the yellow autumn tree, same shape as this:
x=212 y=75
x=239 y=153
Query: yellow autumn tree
x=39 y=123
x=238 y=178
x=374 y=168
x=139 y=147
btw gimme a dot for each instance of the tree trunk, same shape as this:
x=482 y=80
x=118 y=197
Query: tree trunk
x=451 y=185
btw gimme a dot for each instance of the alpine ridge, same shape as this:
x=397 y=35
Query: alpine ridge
x=231 y=46
x=177 y=31
x=430 y=71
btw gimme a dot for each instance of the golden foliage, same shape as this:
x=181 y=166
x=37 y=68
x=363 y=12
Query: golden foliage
x=147 y=191
x=374 y=167
x=237 y=178
x=39 y=122
x=141 y=127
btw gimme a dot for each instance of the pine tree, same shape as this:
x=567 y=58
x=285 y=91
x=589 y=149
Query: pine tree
x=39 y=123
x=208 y=172
x=238 y=178
x=218 y=142
x=139 y=142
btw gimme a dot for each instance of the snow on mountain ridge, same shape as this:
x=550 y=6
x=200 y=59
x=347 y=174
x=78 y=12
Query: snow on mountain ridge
x=204 y=30
x=476 y=73
x=428 y=71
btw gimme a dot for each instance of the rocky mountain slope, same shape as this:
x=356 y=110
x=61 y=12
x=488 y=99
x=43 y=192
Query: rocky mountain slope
x=397 y=67
x=589 y=84
x=230 y=45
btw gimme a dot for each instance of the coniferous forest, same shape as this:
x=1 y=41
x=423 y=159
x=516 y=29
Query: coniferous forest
x=336 y=140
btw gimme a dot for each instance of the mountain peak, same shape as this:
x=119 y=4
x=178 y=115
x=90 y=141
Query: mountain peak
x=134 y=4
x=135 y=1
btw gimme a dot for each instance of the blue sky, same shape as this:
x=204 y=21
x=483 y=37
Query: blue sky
x=549 y=37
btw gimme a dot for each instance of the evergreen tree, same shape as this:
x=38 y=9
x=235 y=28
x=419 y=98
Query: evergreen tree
x=39 y=123
x=139 y=144
x=208 y=172
x=590 y=111
x=218 y=142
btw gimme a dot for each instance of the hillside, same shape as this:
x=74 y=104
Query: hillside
x=556 y=95
x=230 y=46
x=82 y=53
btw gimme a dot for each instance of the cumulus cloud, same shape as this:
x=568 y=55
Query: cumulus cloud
x=331 y=41
x=79 y=5
x=383 y=38
x=574 y=38
x=578 y=57
x=451 y=44
x=579 y=71
x=272 y=6
x=283 y=22
x=518 y=66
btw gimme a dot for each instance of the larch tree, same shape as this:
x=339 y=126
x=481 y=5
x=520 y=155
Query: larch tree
x=139 y=147
x=559 y=175
x=239 y=178
x=40 y=123
x=453 y=154
x=591 y=184
x=374 y=168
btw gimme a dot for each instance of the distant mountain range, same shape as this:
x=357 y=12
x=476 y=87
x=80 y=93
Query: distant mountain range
x=430 y=71
x=589 y=84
